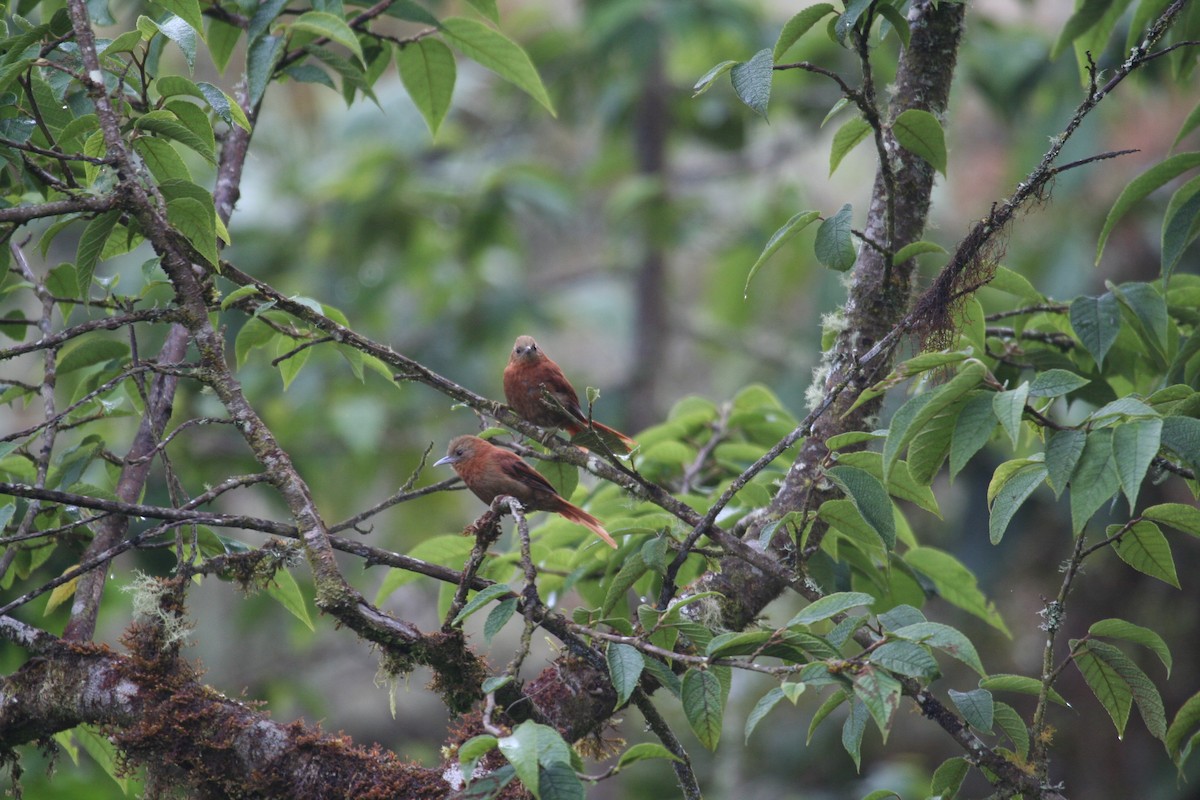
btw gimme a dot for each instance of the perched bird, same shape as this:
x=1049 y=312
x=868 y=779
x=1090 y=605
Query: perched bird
x=491 y=471
x=529 y=373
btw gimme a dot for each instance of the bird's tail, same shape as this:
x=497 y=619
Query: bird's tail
x=581 y=517
x=613 y=439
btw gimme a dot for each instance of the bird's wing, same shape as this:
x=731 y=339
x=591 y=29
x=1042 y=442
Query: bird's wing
x=520 y=471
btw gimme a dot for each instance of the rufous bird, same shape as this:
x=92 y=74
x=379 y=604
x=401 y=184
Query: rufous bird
x=529 y=373
x=490 y=471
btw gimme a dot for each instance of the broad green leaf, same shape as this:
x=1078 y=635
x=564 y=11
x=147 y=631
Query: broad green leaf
x=945 y=638
x=902 y=484
x=920 y=133
x=702 y=705
x=905 y=658
x=834 y=247
x=264 y=54
x=1144 y=548
x=197 y=224
x=1062 y=454
x=752 y=81
x=955 y=583
x=1182 y=435
x=481 y=599
x=764 y=705
x=1096 y=321
x=88 y=351
x=1181 y=224
x=880 y=693
x=91 y=243
x=1149 y=701
x=842 y=516
x=1056 y=382
x=1142 y=185
x=973 y=428
x=1149 y=309
x=826 y=708
x=61 y=593
x=1010 y=495
x=222 y=40
x=1095 y=479
x=846 y=139
x=1135 y=444
x=869 y=497
x=830 y=605
x=914 y=249
x=487 y=8
x=976 y=706
x=498 y=617
x=1004 y=682
x=1087 y=14
x=853 y=729
x=780 y=237
x=1016 y=284
x=428 y=73
x=166 y=123
x=797 y=26
x=709 y=78
x=103 y=752
x=286 y=591
x=331 y=27
x=1184 y=729
x=1010 y=722
x=161 y=159
x=1009 y=406
x=224 y=106
x=625 y=664
x=188 y=11
x=894 y=17
x=948 y=777
x=1179 y=516
x=182 y=34
x=498 y=53
x=530 y=745
x=1120 y=629
x=1109 y=687
x=633 y=569
x=911 y=418
x=447 y=549
x=643 y=752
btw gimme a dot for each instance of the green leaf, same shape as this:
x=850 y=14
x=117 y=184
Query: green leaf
x=852 y=731
x=976 y=707
x=899 y=23
x=447 y=549
x=188 y=11
x=869 y=497
x=701 y=695
x=948 y=777
x=331 y=27
x=780 y=237
x=1009 y=406
x=633 y=569
x=166 y=123
x=1055 y=383
x=1179 y=516
x=161 y=159
x=284 y=589
x=1120 y=629
x=905 y=658
x=828 y=707
x=709 y=78
x=625 y=664
x=1148 y=700
x=1181 y=224
x=264 y=54
x=224 y=106
x=974 y=427
x=498 y=617
x=1109 y=687
x=1087 y=14
x=949 y=640
x=1013 y=726
x=481 y=599
x=764 y=705
x=428 y=73
x=476 y=747
x=799 y=25
x=1135 y=444
x=846 y=139
x=1184 y=729
x=530 y=745
x=1095 y=479
x=222 y=40
x=1010 y=495
x=498 y=53
x=182 y=34
x=91 y=243
x=920 y=133
x=88 y=351
x=955 y=583
x=1139 y=187
x=1144 y=548
x=830 y=605
x=1062 y=454
x=103 y=752
x=914 y=249
x=834 y=247
x=197 y=224
x=752 y=81
x=1182 y=435
x=1016 y=284
x=1003 y=682
x=902 y=484
x=644 y=751
x=486 y=8
x=880 y=693
x=1149 y=309
x=1096 y=321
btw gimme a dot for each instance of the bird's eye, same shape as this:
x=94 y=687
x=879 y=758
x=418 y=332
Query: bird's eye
x=458 y=452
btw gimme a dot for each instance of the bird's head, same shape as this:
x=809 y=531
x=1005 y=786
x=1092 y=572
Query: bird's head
x=461 y=449
x=526 y=349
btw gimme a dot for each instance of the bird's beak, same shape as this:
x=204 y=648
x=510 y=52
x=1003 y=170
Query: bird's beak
x=445 y=460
